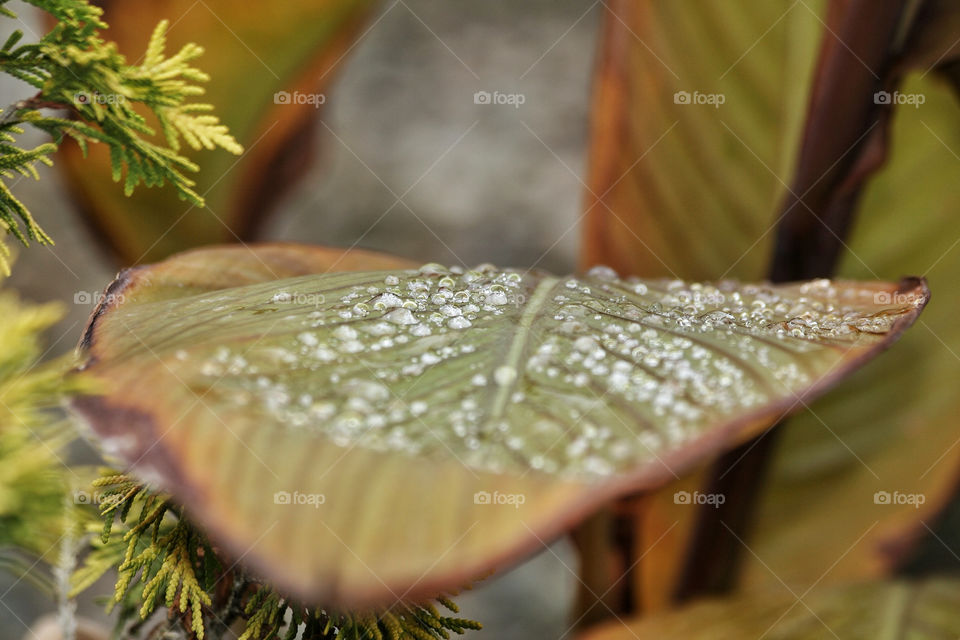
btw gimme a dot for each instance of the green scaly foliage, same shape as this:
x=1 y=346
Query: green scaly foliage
x=164 y=561
x=32 y=481
x=74 y=69
x=33 y=478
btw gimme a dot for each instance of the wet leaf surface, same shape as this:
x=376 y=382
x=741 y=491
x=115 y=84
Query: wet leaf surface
x=479 y=413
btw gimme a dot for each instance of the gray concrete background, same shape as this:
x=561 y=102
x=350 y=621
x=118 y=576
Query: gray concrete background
x=480 y=183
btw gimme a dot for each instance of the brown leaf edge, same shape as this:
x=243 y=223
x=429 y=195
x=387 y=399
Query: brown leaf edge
x=109 y=417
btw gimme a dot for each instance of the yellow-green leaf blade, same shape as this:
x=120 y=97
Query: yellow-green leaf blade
x=364 y=435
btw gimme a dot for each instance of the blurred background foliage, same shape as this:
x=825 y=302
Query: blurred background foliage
x=717 y=186
x=750 y=169
x=400 y=158
x=399 y=121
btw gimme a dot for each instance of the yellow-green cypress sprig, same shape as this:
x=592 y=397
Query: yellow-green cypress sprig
x=74 y=69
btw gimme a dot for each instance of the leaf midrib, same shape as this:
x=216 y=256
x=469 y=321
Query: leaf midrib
x=517 y=347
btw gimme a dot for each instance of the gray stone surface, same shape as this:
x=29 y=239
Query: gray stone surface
x=476 y=183
x=479 y=182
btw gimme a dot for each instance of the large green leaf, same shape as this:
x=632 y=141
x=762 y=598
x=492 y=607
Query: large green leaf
x=429 y=424
x=688 y=190
x=872 y=611
x=893 y=426
x=706 y=198
x=683 y=189
x=254 y=55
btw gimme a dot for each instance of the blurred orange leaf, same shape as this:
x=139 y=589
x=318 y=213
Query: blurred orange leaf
x=922 y=610
x=695 y=189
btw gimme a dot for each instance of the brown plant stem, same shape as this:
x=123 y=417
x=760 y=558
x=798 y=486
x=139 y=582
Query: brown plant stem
x=606 y=546
x=844 y=142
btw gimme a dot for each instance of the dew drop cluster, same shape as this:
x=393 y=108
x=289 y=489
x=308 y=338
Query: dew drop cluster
x=511 y=371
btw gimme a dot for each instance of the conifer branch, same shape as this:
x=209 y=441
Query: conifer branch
x=32 y=481
x=76 y=71
x=163 y=561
